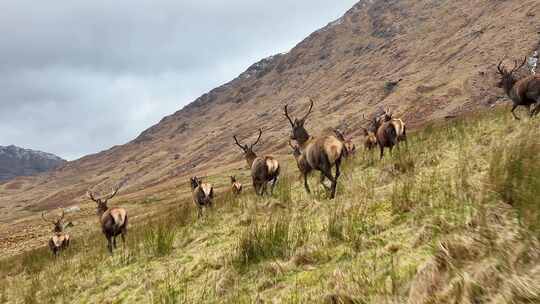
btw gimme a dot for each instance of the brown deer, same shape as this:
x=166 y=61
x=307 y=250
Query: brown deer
x=370 y=141
x=399 y=125
x=236 y=186
x=523 y=92
x=350 y=147
x=60 y=239
x=263 y=169
x=302 y=164
x=114 y=221
x=202 y=193
x=321 y=153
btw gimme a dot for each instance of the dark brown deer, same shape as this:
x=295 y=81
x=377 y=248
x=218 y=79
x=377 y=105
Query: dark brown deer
x=523 y=92
x=236 y=186
x=263 y=169
x=399 y=125
x=59 y=241
x=114 y=221
x=321 y=153
x=370 y=140
x=202 y=193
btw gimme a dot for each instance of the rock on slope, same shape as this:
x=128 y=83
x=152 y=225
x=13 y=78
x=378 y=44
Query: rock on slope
x=15 y=161
x=445 y=51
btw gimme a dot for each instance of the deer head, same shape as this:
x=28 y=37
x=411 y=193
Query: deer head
x=233 y=179
x=508 y=78
x=59 y=225
x=296 y=150
x=248 y=150
x=299 y=133
x=195 y=182
x=102 y=201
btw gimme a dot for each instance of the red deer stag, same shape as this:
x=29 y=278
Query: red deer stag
x=114 y=221
x=389 y=131
x=236 y=186
x=321 y=153
x=399 y=125
x=523 y=92
x=263 y=169
x=203 y=194
x=60 y=239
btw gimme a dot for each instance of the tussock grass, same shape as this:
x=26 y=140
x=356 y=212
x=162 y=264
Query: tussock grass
x=451 y=217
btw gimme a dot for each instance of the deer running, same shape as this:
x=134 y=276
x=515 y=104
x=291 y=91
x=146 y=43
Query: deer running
x=523 y=92
x=202 y=193
x=60 y=239
x=389 y=131
x=236 y=186
x=320 y=153
x=114 y=221
x=263 y=169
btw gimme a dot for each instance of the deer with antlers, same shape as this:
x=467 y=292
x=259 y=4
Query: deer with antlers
x=114 y=221
x=60 y=239
x=263 y=169
x=320 y=153
x=523 y=92
x=388 y=132
x=202 y=193
x=236 y=186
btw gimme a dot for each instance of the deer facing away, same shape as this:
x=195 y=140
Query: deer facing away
x=59 y=241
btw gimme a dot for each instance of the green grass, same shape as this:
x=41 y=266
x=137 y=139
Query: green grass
x=450 y=218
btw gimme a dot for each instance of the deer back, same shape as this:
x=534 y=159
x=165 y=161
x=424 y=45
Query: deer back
x=328 y=147
x=203 y=194
x=59 y=239
x=386 y=134
x=526 y=90
x=116 y=214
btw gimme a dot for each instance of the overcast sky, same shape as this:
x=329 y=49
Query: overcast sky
x=77 y=77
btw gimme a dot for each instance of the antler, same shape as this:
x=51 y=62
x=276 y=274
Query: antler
x=287 y=115
x=291 y=145
x=516 y=67
x=115 y=191
x=258 y=138
x=238 y=144
x=499 y=68
x=310 y=108
x=46 y=220
x=90 y=195
x=61 y=216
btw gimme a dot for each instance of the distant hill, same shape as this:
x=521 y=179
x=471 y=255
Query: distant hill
x=15 y=161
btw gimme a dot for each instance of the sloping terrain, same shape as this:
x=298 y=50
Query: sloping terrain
x=444 y=52
x=15 y=161
x=450 y=218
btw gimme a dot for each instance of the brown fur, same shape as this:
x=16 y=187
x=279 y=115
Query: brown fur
x=370 y=141
x=389 y=131
x=523 y=92
x=60 y=239
x=236 y=186
x=202 y=194
x=321 y=153
x=263 y=169
x=114 y=221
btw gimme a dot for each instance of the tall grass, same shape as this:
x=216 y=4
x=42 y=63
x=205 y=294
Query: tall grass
x=275 y=239
x=159 y=239
x=514 y=175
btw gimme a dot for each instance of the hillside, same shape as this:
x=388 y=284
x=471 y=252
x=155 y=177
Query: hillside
x=445 y=52
x=15 y=161
x=451 y=218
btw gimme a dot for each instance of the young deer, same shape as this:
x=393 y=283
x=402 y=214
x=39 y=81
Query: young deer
x=263 y=169
x=236 y=186
x=114 y=221
x=60 y=239
x=202 y=193
x=321 y=153
x=523 y=92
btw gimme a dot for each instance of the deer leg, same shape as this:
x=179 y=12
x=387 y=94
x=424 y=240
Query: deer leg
x=306 y=184
x=274 y=181
x=536 y=108
x=382 y=151
x=199 y=211
x=109 y=244
x=513 y=113
x=323 y=177
x=338 y=173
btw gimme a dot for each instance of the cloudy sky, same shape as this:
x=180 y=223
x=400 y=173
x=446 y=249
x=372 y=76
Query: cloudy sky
x=79 y=76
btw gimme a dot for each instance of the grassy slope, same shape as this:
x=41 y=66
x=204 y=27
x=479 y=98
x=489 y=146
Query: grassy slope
x=428 y=225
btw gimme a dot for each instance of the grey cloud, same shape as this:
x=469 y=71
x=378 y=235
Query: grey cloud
x=77 y=77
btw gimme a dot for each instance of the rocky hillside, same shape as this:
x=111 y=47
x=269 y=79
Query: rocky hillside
x=444 y=51
x=15 y=161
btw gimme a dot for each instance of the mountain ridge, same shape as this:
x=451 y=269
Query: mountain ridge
x=16 y=161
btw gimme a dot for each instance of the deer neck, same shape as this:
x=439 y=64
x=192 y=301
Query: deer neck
x=250 y=159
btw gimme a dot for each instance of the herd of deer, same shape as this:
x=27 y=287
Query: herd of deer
x=320 y=153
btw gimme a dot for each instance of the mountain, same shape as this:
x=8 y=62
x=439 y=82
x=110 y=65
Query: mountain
x=15 y=161
x=444 y=51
